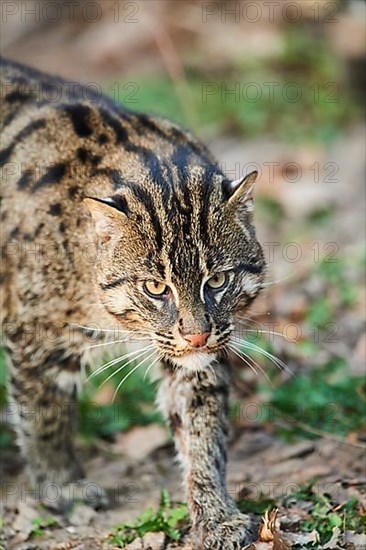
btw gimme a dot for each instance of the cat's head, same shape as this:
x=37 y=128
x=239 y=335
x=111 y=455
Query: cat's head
x=177 y=261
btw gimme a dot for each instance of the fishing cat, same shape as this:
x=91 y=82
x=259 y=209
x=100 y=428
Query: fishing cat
x=113 y=218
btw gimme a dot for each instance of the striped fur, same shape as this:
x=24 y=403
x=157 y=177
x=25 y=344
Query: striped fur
x=96 y=201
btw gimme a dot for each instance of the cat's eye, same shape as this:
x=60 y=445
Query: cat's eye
x=155 y=289
x=217 y=281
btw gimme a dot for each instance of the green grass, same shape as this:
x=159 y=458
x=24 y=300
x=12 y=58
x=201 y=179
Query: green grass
x=323 y=398
x=173 y=520
x=335 y=273
x=324 y=515
x=169 y=518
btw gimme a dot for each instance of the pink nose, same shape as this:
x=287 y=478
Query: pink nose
x=197 y=340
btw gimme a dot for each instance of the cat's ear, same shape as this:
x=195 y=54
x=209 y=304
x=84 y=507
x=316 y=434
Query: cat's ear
x=108 y=219
x=241 y=191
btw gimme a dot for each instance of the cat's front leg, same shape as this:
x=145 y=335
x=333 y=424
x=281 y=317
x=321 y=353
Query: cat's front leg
x=196 y=405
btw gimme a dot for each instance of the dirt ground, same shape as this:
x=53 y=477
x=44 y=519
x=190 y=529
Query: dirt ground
x=138 y=464
x=258 y=461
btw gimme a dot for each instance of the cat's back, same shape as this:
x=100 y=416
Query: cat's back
x=56 y=131
x=60 y=143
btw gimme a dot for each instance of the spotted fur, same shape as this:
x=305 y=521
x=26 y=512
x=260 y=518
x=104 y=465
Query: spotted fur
x=97 y=201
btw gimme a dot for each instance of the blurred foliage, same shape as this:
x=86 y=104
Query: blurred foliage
x=326 y=398
x=335 y=273
x=256 y=506
x=133 y=404
x=299 y=95
x=323 y=398
x=269 y=209
x=41 y=524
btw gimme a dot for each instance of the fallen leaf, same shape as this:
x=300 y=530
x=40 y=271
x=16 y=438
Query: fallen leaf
x=333 y=542
x=267 y=529
x=23 y=523
x=280 y=543
x=359 y=541
x=304 y=538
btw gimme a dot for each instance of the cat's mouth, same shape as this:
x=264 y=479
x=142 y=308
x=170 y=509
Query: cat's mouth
x=194 y=360
x=211 y=348
x=185 y=352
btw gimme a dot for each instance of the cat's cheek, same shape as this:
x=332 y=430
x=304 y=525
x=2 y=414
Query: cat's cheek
x=116 y=301
x=250 y=284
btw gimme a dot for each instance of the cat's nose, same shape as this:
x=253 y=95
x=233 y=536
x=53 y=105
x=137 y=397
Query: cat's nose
x=197 y=340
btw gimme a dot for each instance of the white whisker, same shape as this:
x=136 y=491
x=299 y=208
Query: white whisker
x=278 y=362
x=159 y=357
x=129 y=374
x=213 y=372
x=230 y=346
x=269 y=283
x=269 y=332
x=130 y=339
x=122 y=367
x=95 y=329
x=118 y=359
x=243 y=354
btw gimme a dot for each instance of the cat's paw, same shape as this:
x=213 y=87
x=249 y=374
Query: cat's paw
x=60 y=498
x=232 y=533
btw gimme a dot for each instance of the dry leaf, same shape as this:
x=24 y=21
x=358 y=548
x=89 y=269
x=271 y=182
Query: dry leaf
x=267 y=529
x=23 y=523
x=304 y=538
x=280 y=543
x=359 y=541
x=333 y=542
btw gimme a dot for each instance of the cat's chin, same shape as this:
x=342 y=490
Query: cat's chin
x=195 y=361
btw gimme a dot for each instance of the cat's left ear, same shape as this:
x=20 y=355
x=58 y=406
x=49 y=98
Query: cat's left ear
x=241 y=191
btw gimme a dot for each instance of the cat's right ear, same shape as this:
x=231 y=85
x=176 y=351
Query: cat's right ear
x=241 y=190
x=108 y=220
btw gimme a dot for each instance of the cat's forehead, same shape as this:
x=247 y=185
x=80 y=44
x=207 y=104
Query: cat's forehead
x=186 y=225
